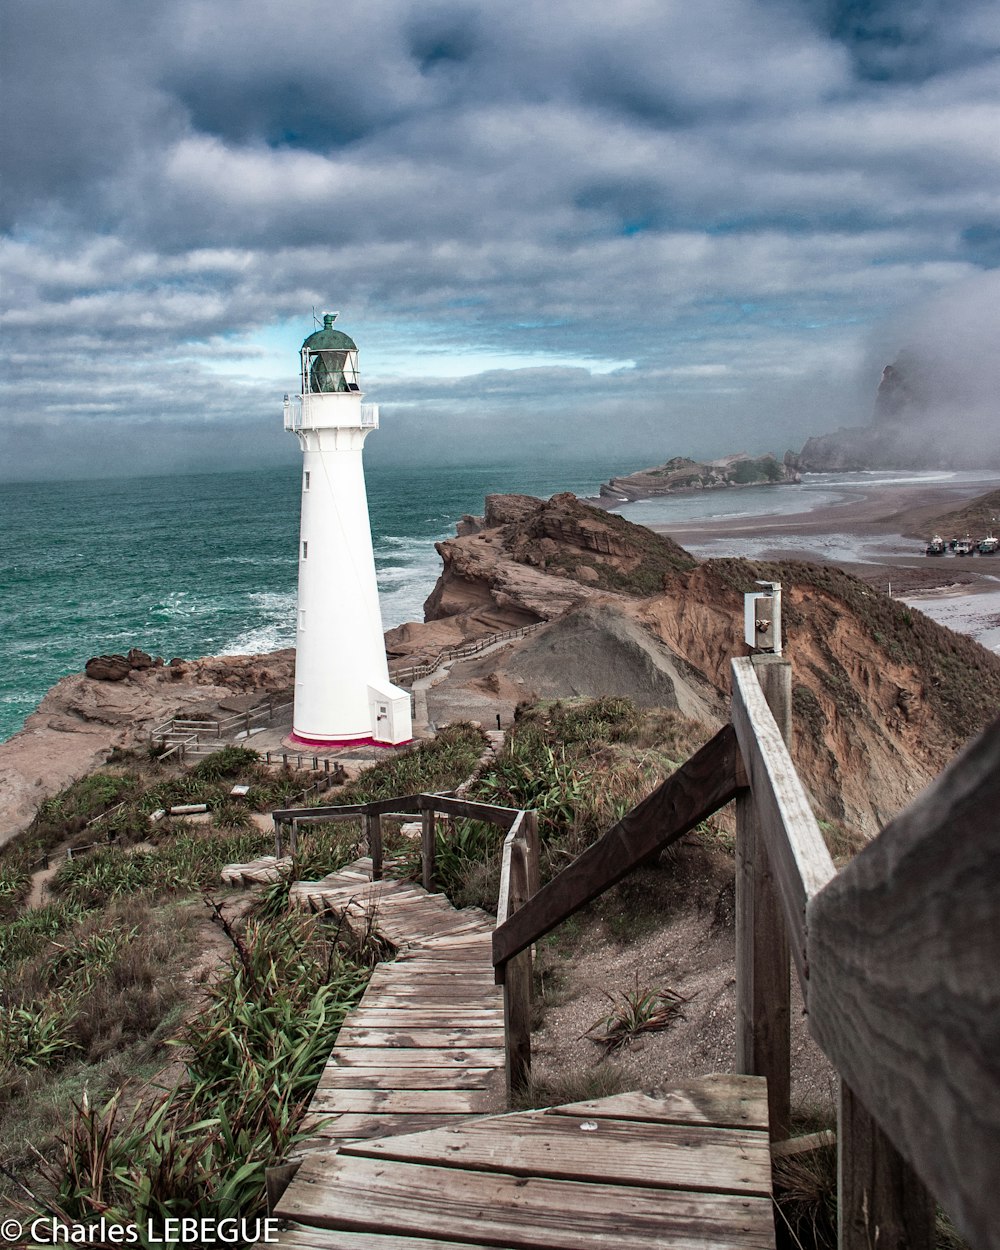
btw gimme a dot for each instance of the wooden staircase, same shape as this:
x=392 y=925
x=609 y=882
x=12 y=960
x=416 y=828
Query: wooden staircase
x=406 y=1154
x=895 y=957
x=425 y=1045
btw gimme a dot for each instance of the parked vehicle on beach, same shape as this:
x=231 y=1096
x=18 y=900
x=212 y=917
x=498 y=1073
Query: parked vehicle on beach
x=936 y=546
x=964 y=546
x=988 y=545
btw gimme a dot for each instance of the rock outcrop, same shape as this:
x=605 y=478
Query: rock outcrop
x=923 y=418
x=528 y=560
x=118 y=667
x=682 y=475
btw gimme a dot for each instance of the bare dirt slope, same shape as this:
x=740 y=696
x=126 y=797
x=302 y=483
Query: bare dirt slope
x=672 y=928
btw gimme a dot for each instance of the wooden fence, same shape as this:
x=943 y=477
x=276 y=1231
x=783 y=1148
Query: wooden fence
x=896 y=957
x=460 y=651
x=184 y=734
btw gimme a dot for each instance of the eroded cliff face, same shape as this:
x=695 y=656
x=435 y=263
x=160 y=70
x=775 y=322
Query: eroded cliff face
x=867 y=737
x=883 y=697
x=528 y=560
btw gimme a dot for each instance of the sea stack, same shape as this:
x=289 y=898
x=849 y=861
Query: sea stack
x=343 y=696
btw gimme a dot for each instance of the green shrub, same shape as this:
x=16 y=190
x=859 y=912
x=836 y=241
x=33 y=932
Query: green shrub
x=223 y=765
x=32 y=931
x=34 y=1036
x=15 y=880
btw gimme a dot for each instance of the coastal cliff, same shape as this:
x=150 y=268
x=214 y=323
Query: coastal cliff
x=923 y=417
x=883 y=696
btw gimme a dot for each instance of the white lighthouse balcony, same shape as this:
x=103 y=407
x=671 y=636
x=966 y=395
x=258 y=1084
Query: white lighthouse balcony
x=329 y=411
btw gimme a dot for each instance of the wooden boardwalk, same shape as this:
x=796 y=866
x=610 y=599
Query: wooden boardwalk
x=409 y=1150
x=424 y=1047
x=683 y=1169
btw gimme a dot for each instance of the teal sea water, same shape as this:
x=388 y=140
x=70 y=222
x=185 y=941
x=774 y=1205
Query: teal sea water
x=207 y=564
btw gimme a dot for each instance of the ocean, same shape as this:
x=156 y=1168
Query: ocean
x=206 y=564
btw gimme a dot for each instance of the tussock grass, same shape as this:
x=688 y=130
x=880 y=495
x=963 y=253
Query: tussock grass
x=600 y=1082
x=254 y=1056
x=581 y=765
x=636 y=1011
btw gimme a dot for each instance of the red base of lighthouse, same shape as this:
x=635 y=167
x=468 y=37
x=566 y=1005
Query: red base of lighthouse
x=328 y=744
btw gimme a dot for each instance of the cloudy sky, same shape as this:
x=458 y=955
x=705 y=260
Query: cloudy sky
x=654 y=226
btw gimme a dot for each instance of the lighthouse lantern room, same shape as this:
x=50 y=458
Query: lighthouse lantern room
x=343 y=695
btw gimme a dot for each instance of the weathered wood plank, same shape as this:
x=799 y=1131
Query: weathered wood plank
x=404 y=1101
x=409 y=1038
x=417 y=1057
x=796 y=851
x=519 y=1212
x=517 y=985
x=763 y=992
x=904 y=947
x=338 y=1128
x=880 y=1199
x=484 y=995
x=616 y=1152
x=299 y=1238
x=443 y=1005
x=406 y=805
x=707 y=781
x=427 y=847
x=503 y=816
x=398 y=1077
x=722 y=1099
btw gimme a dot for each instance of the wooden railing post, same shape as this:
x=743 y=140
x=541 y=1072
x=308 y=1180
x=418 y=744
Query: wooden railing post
x=427 y=848
x=881 y=1202
x=517 y=983
x=373 y=834
x=763 y=985
x=529 y=828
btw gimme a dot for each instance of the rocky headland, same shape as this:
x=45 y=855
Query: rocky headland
x=681 y=475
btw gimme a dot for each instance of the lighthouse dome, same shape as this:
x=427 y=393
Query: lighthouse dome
x=328 y=339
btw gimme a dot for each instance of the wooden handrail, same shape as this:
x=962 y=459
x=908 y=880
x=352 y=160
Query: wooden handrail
x=798 y=855
x=707 y=781
x=460 y=651
x=904 y=996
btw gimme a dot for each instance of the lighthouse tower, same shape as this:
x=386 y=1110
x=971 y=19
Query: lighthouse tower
x=343 y=695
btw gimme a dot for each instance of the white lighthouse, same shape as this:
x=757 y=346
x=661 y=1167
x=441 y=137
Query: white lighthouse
x=343 y=695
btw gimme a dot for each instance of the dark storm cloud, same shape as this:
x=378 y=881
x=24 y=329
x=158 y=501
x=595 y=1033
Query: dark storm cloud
x=729 y=194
